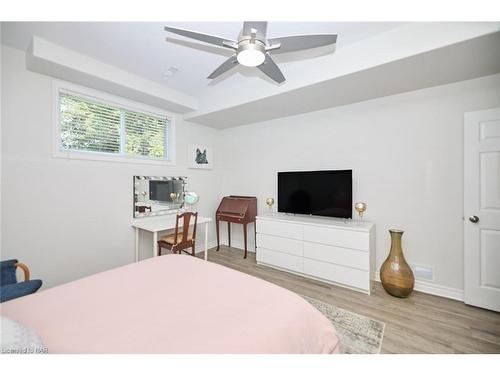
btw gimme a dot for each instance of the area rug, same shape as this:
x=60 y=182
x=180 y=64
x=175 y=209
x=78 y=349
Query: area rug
x=358 y=334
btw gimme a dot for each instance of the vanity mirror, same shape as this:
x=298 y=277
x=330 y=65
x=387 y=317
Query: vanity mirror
x=156 y=195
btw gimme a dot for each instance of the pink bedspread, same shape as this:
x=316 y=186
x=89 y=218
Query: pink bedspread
x=173 y=304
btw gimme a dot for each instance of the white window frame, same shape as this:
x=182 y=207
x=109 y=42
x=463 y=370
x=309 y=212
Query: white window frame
x=116 y=101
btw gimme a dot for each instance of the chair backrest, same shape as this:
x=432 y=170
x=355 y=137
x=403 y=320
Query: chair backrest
x=8 y=272
x=142 y=209
x=186 y=221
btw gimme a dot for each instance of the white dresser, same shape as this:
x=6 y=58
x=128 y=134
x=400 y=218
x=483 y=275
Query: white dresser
x=332 y=250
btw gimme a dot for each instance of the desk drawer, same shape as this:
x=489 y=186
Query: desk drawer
x=284 y=245
x=336 y=237
x=275 y=258
x=338 y=255
x=280 y=229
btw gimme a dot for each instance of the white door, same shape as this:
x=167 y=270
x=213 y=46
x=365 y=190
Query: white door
x=482 y=209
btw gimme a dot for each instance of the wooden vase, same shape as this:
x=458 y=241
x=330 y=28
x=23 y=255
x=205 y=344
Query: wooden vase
x=396 y=275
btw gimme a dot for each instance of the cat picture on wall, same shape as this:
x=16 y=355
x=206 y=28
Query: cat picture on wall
x=200 y=157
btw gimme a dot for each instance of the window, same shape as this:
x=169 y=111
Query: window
x=95 y=128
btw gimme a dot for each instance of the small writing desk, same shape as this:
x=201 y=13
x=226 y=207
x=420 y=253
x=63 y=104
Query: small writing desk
x=160 y=224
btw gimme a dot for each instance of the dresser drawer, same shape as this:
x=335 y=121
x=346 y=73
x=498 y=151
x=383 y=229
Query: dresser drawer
x=280 y=229
x=285 y=245
x=338 y=255
x=337 y=237
x=274 y=258
x=337 y=274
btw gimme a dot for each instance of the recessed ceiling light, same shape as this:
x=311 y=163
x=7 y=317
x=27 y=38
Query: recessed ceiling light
x=170 y=71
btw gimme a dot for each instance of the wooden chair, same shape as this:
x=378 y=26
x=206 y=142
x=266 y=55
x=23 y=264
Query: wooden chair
x=179 y=241
x=143 y=209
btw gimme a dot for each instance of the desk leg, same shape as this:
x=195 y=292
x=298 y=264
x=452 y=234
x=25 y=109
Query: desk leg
x=155 y=245
x=136 y=244
x=217 y=232
x=206 y=241
x=245 y=239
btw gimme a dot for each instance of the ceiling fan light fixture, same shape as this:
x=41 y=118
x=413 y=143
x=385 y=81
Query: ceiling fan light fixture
x=251 y=55
x=254 y=49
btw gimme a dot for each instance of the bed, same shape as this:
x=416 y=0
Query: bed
x=173 y=304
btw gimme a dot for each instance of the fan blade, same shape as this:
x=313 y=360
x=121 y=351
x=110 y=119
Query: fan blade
x=210 y=39
x=224 y=67
x=300 y=42
x=260 y=26
x=269 y=68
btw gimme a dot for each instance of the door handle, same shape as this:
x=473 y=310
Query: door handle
x=473 y=219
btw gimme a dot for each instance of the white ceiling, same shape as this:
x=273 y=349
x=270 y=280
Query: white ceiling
x=370 y=60
x=452 y=63
x=140 y=47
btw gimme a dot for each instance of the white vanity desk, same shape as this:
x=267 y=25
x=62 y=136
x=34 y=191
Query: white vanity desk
x=160 y=224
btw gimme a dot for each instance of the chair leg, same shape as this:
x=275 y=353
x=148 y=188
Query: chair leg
x=192 y=250
x=159 y=247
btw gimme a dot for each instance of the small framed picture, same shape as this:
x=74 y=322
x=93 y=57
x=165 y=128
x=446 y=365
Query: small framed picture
x=200 y=157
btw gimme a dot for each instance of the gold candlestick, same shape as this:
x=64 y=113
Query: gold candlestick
x=360 y=207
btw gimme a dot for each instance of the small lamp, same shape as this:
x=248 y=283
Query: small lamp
x=270 y=202
x=360 y=207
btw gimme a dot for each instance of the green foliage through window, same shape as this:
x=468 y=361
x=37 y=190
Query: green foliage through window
x=86 y=125
x=145 y=135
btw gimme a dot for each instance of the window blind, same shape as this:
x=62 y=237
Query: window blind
x=88 y=125
x=145 y=135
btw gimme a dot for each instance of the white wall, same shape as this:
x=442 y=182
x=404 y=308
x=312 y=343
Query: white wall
x=407 y=155
x=71 y=218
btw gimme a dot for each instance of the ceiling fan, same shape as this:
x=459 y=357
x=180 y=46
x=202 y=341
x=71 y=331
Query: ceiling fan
x=254 y=50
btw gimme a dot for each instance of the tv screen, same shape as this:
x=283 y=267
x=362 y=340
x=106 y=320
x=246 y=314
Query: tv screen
x=322 y=193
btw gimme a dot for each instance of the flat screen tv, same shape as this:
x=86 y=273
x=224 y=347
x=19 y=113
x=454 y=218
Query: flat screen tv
x=321 y=193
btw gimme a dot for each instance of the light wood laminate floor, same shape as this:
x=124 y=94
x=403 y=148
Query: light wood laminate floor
x=421 y=323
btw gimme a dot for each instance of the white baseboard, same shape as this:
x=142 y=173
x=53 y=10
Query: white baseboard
x=239 y=245
x=200 y=246
x=420 y=286
x=439 y=290
x=434 y=289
